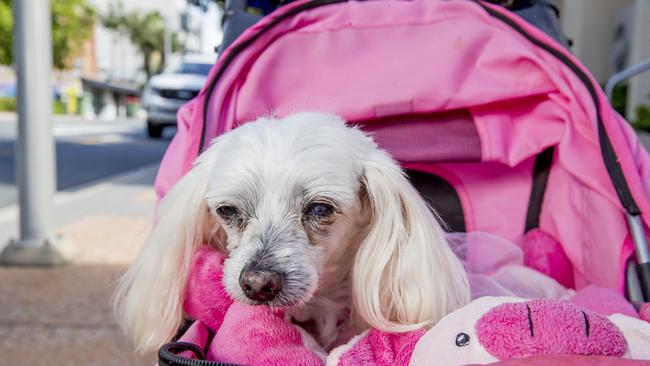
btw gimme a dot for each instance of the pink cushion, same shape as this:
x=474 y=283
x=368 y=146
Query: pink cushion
x=547 y=327
x=543 y=253
x=205 y=297
x=572 y=360
x=604 y=301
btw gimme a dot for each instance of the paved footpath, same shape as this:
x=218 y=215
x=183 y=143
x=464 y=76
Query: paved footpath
x=62 y=316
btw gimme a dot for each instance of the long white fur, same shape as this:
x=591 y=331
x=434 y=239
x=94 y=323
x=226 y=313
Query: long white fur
x=405 y=275
x=148 y=298
x=384 y=257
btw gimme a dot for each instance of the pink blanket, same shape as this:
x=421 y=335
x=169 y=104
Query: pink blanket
x=263 y=336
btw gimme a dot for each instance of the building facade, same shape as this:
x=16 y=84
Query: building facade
x=608 y=36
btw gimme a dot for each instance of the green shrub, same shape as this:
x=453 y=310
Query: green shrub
x=619 y=102
x=7 y=104
x=642 y=121
x=619 y=99
x=58 y=107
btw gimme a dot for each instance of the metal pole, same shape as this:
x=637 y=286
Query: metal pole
x=35 y=153
x=167 y=42
x=642 y=253
x=624 y=75
x=642 y=270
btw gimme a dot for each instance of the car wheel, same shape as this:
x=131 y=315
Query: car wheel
x=153 y=130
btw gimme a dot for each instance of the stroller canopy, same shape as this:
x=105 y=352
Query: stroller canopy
x=462 y=90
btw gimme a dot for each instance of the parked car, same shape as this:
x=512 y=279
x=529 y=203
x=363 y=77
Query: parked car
x=166 y=92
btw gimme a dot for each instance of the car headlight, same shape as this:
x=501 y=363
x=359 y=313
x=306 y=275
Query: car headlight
x=149 y=92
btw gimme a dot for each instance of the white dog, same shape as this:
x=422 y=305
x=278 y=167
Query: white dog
x=315 y=218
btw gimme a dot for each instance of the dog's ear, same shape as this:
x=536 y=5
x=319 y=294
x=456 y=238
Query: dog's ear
x=148 y=299
x=405 y=275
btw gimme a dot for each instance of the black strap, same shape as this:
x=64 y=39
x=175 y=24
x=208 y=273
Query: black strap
x=540 y=179
x=168 y=354
x=442 y=197
x=208 y=341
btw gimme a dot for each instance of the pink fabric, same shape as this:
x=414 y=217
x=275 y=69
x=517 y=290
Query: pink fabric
x=448 y=136
x=547 y=327
x=482 y=188
x=258 y=335
x=521 y=98
x=197 y=333
x=244 y=334
x=572 y=360
x=382 y=349
x=604 y=301
x=182 y=151
x=484 y=253
x=644 y=312
x=496 y=267
x=205 y=297
x=544 y=254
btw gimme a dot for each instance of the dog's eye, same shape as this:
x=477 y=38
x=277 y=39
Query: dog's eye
x=319 y=209
x=227 y=212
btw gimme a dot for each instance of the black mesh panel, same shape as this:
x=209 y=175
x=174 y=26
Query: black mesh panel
x=442 y=196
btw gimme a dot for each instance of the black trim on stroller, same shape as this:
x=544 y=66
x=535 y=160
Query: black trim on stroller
x=541 y=170
x=238 y=48
x=609 y=155
x=168 y=355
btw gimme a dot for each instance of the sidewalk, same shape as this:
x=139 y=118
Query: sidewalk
x=69 y=118
x=62 y=316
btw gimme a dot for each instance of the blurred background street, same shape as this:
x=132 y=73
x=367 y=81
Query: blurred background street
x=87 y=150
x=104 y=204
x=120 y=70
x=62 y=316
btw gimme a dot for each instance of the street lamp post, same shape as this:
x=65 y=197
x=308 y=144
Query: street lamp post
x=35 y=152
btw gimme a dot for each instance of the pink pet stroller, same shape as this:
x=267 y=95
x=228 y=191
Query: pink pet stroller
x=497 y=124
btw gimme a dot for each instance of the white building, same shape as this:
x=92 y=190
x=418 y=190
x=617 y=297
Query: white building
x=609 y=35
x=116 y=58
x=112 y=68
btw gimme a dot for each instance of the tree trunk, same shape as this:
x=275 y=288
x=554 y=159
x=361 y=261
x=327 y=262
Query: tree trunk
x=147 y=65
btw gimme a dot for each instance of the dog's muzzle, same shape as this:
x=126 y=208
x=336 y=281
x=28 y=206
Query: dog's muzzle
x=260 y=286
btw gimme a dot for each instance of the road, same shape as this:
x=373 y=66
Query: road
x=86 y=151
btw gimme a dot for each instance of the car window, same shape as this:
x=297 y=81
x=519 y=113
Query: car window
x=192 y=68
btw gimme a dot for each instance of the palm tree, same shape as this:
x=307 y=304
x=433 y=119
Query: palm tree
x=145 y=31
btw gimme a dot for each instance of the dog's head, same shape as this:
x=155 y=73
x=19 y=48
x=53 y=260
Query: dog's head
x=298 y=204
x=286 y=193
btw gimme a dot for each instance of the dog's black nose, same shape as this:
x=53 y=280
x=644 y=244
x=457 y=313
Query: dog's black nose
x=260 y=286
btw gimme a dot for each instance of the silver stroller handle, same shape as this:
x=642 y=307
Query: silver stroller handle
x=639 y=238
x=642 y=254
x=639 y=290
x=623 y=75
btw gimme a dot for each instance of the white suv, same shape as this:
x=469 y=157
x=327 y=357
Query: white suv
x=165 y=93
